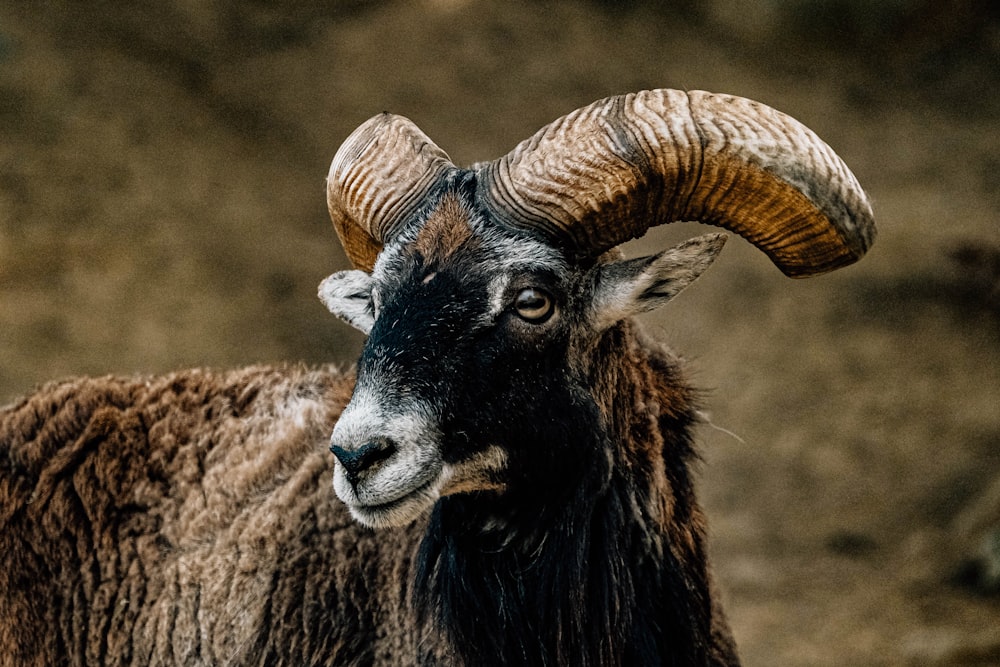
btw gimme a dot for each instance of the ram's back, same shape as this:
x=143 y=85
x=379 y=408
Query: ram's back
x=182 y=519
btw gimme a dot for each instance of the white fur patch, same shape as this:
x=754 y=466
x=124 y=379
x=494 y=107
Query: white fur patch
x=347 y=294
x=398 y=489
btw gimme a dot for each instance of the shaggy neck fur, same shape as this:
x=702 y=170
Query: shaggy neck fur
x=606 y=569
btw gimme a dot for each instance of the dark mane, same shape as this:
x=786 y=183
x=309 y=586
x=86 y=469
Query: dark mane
x=578 y=571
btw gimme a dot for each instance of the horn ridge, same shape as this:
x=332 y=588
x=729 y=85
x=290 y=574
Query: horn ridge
x=605 y=173
x=377 y=179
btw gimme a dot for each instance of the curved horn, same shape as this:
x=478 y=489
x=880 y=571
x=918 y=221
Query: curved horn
x=379 y=176
x=606 y=173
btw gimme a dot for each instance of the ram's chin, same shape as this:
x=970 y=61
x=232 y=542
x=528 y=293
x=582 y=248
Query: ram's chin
x=396 y=513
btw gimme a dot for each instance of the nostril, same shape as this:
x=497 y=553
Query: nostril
x=375 y=451
x=356 y=461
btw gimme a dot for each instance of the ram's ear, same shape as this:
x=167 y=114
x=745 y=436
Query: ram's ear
x=633 y=286
x=348 y=295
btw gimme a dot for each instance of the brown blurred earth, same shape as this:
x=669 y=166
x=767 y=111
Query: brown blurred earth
x=161 y=206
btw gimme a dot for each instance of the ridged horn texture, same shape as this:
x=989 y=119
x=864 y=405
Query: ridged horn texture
x=378 y=178
x=606 y=173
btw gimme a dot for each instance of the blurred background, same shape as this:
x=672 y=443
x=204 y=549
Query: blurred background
x=161 y=205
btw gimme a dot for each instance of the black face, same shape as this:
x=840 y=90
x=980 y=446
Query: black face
x=485 y=353
x=465 y=382
x=422 y=331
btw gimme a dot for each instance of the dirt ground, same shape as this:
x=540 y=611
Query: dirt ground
x=161 y=206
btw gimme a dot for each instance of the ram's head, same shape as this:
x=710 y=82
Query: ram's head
x=484 y=291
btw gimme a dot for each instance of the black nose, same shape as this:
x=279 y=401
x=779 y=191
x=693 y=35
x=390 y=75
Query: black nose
x=368 y=455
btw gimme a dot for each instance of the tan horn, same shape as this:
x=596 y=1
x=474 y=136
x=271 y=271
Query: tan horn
x=606 y=173
x=378 y=178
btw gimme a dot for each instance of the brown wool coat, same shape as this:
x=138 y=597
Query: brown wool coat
x=188 y=519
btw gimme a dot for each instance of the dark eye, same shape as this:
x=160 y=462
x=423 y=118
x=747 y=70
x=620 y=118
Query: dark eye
x=533 y=305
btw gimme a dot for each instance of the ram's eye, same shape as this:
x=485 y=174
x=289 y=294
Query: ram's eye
x=533 y=305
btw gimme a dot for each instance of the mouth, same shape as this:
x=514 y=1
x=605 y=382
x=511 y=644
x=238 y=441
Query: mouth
x=398 y=495
x=397 y=512
x=393 y=493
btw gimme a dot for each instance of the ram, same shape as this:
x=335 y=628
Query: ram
x=511 y=457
